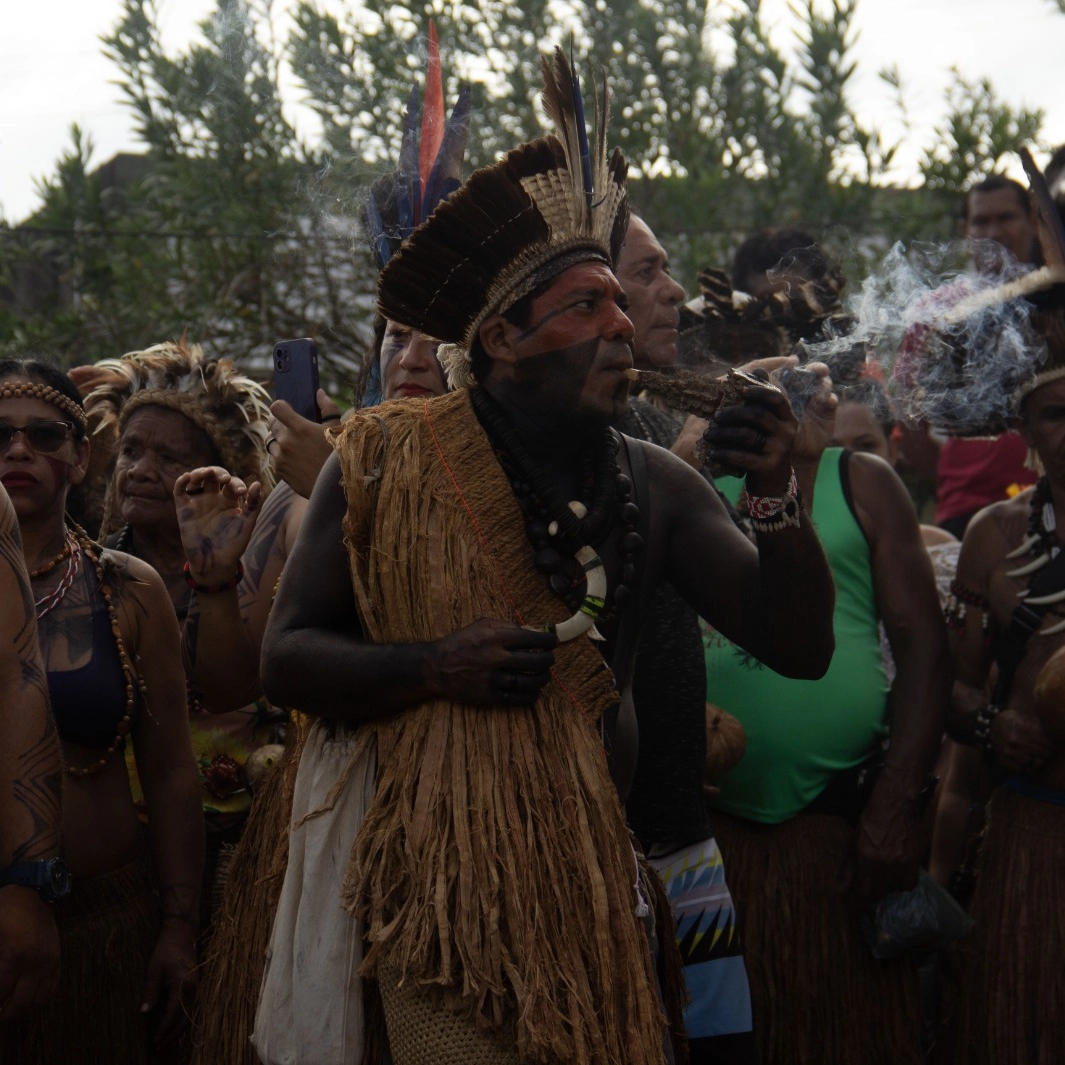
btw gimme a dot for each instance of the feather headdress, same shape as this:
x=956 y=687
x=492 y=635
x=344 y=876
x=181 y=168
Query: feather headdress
x=545 y=206
x=430 y=169
x=232 y=409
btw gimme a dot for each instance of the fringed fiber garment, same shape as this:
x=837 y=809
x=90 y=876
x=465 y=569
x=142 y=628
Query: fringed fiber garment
x=107 y=930
x=818 y=996
x=1011 y=966
x=233 y=969
x=493 y=869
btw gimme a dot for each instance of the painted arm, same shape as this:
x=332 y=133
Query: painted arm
x=30 y=773
x=316 y=659
x=167 y=769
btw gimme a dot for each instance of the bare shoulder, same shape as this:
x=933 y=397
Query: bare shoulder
x=992 y=534
x=133 y=581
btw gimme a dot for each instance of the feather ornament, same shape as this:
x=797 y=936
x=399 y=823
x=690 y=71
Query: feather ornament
x=429 y=167
x=556 y=199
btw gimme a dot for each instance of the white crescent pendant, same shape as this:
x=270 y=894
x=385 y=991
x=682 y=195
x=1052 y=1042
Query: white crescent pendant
x=593 y=604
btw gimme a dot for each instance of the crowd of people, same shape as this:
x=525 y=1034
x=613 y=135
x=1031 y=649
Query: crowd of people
x=523 y=714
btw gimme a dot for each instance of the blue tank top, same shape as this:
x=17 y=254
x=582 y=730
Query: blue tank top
x=88 y=702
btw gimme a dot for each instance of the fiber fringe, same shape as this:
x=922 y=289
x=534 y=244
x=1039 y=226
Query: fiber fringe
x=818 y=996
x=494 y=867
x=233 y=969
x=1011 y=1001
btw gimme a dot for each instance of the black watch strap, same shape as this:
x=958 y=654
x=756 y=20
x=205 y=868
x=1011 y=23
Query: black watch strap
x=50 y=876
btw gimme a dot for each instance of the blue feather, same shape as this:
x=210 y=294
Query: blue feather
x=376 y=226
x=582 y=141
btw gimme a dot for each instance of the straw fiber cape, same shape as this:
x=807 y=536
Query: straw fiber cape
x=493 y=869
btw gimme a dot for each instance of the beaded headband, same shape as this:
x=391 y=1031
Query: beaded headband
x=48 y=394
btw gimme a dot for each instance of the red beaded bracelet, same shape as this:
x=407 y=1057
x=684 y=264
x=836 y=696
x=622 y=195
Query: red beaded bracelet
x=763 y=508
x=211 y=589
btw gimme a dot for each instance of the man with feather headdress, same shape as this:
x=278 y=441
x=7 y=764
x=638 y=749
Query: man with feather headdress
x=441 y=610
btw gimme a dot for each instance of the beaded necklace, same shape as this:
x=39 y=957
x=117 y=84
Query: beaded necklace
x=564 y=533
x=43 y=571
x=47 y=603
x=80 y=544
x=1042 y=541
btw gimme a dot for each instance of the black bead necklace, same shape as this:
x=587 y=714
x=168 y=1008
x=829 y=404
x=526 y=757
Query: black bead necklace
x=556 y=529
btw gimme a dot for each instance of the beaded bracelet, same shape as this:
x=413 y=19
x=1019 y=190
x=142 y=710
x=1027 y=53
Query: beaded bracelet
x=769 y=514
x=760 y=508
x=982 y=728
x=211 y=589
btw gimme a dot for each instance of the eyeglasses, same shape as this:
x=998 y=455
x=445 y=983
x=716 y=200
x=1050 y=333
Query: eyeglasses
x=44 y=437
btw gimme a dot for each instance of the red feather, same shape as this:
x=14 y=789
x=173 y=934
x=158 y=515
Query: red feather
x=433 y=112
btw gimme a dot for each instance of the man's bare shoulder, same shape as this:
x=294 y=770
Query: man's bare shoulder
x=993 y=533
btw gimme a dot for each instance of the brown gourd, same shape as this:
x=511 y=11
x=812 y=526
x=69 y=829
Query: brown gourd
x=726 y=743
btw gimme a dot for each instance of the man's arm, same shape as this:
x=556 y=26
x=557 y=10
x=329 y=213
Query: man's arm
x=775 y=601
x=1018 y=739
x=888 y=848
x=315 y=658
x=30 y=774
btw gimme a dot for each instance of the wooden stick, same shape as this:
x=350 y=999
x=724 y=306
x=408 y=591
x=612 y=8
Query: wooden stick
x=1051 y=232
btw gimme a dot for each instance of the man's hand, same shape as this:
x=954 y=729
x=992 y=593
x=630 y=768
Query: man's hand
x=298 y=448
x=888 y=848
x=216 y=514
x=171 y=980
x=1019 y=742
x=756 y=436
x=491 y=662
x=29 y=951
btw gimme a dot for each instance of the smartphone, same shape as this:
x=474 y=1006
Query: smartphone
x=296 y=376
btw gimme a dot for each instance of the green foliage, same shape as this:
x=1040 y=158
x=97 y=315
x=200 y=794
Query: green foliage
x=232 y=226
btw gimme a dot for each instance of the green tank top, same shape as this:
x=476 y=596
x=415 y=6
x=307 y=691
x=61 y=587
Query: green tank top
x=802 y=732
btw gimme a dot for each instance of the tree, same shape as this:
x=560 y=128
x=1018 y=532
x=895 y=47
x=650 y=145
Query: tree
x=233 y=227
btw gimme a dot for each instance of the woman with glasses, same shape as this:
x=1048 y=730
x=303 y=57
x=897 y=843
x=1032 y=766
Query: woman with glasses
x=111 y=648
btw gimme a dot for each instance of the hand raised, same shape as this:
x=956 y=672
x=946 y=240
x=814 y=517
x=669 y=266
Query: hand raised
x=298 y=447
x=216 y=515
x=491 y=662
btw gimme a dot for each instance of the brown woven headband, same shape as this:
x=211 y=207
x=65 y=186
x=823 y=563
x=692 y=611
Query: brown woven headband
x=193 y=409
x=48 y=394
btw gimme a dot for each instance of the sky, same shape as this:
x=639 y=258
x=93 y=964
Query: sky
x=53 y=72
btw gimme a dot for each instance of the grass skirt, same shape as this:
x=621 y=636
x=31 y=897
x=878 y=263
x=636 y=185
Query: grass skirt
x=233 y=970
x=818 y=996
x=1011 y=967
x=107 y=930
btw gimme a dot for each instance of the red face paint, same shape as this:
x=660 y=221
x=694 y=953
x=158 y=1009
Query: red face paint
x=60 y=469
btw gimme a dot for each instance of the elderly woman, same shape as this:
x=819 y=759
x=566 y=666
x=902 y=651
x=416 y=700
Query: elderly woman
x=110 y=644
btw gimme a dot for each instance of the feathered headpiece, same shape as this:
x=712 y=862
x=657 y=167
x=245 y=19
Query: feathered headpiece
x=727 y=325
x=545 y=206
x=430 y=169
x=233 y=410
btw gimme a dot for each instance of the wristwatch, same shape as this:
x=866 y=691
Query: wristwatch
x=50 y=876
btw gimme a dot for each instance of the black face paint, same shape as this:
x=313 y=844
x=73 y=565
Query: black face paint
x=563 y=381
x=533 y=329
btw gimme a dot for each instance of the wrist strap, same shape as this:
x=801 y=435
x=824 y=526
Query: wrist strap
x=212 y=589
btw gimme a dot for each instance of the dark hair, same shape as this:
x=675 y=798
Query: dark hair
x=870 y=394
x=995 y=183
x=769 y=248
x=517 y=315
x=46 y=371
